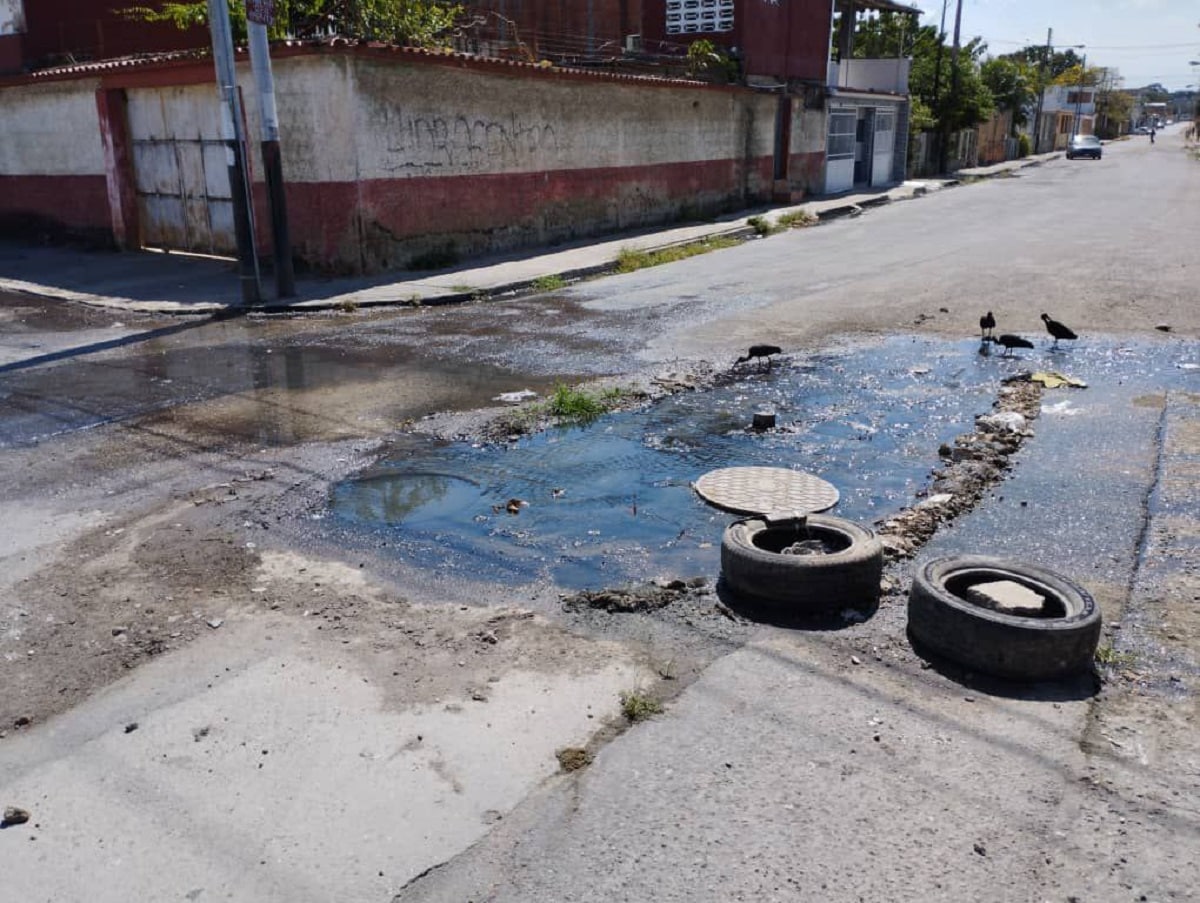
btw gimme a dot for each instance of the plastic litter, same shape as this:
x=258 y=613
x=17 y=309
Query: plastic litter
x=1052 y=379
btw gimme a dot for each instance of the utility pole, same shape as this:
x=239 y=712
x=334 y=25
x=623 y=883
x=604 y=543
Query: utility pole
x=234 y=134
x=954 y=81
x=1037 y=117
x=260 y=14
x=1079 y=94
x=937 y=82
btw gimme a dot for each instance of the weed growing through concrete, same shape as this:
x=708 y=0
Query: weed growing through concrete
x=1107 y=655
x=550 y=283
x=797 y=219
x=637 y=706
x=579 y=405
x=630 y=260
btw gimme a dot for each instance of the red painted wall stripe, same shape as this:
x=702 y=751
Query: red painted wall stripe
x=74 y=203
x=349 y=226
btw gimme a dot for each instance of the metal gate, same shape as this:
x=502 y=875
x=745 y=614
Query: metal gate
x=180 y=165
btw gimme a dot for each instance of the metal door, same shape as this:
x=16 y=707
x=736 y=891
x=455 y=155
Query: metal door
x=839 y=153
x=884 y=147
x=180 y=165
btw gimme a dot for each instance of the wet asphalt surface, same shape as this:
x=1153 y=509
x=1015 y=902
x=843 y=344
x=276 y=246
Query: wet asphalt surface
x=273 y=381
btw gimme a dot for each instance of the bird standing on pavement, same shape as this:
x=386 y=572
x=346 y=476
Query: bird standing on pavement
x=987 y=323
x=1058 y=330
x=760 y=352
x=1010 y=342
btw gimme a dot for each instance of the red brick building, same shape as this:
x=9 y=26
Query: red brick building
x=39 y=33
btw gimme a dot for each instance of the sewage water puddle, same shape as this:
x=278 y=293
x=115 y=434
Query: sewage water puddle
x=612 y=502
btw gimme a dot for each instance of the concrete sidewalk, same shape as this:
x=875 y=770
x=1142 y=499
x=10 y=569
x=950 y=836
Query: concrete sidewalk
x=178 y=283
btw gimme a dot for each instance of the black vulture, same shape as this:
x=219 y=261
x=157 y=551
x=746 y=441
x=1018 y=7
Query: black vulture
x=760 y=352
x=987 y=323
x=1011 y=341
x=1058 y=330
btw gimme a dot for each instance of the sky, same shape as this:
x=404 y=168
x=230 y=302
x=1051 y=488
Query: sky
x=1147 y=41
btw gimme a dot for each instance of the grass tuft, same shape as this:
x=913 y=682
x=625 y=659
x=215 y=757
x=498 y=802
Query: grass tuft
x=630 y=260
x=637 y=706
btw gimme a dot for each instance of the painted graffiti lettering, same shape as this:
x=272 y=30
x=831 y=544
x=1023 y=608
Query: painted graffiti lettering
x=466 y=144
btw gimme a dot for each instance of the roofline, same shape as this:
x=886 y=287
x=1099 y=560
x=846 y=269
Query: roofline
x=195 y=66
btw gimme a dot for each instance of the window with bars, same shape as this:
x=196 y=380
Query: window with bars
x=693 y=16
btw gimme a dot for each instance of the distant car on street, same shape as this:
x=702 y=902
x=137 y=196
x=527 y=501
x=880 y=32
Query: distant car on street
x=1084 y=146
x=1141 y=130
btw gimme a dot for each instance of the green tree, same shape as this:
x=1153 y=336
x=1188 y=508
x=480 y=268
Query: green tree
x=1045 y=60
x=939 y=99
x=1011 y=84
x=423 y=23
x=1078 y=75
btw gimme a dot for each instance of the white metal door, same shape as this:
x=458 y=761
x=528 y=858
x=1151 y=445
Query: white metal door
x=839 y=151
x=884 y=147
x=180 y=165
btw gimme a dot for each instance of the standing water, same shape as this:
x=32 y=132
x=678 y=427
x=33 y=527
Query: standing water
x=611 y=502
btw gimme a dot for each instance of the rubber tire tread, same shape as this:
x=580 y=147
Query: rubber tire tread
x=849 y=578
x=1003 y=645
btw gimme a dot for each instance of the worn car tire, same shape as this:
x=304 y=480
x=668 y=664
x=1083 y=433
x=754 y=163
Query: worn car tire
x=1004 y=645
x=848 y=577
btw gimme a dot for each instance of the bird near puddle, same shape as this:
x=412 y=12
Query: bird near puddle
x=760 y=353
x=1057 y=329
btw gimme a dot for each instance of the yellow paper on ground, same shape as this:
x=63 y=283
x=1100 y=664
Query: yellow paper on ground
x=1053 y=380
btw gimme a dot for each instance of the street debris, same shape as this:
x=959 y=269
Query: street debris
x=14 y=815
x=572 y=758
x=1052 y=379
x=974 y=462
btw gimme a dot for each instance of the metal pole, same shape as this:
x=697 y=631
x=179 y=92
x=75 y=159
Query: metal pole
x=1079 y=94
x=231 y=119
x=937 y=81
x=260 y=62
x=953 y=85
x=1037 y=117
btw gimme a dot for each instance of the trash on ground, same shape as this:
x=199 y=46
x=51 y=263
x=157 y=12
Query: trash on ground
x=1002 y=422
x=13 y=815
x=1052 y=379
x=516 y=397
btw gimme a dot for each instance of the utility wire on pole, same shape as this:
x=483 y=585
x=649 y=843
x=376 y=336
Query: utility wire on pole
x=260 y=14
x=234 y=135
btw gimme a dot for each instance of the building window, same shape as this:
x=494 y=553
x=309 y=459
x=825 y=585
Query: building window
x=693 y=16
x=843 y=125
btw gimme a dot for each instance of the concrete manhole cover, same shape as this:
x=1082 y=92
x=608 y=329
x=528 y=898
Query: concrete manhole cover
x=762 y=490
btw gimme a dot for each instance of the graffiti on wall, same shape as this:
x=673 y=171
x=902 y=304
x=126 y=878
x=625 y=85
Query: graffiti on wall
x=465 y=144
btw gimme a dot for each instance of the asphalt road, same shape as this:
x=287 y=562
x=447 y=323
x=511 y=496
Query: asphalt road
x=800 y=765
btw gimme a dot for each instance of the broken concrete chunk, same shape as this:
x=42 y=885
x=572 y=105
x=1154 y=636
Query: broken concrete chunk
x=13 y=815
x=1008 y=597
x=1005 y=421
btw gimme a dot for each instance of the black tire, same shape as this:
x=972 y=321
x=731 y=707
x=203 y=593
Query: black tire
x=1004 y=645
x=848 y=577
